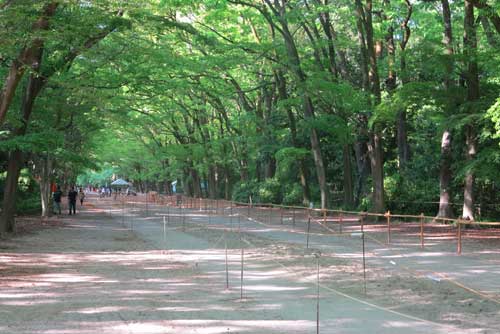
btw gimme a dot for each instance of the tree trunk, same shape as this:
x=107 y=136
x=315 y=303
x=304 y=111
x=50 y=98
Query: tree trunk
x=227 y=183
x=212 y=183
x=402 y=134
x=303 y=175
x=363 y=168
x=28 y=58
x=348 y=182
x=468 y=208
x=270 y=167
x=196 y=183
x=445 y=209
x=294 y=59
x=376 y=159
x=33 y=88
x=45 y=182
x=472 y=80
x=365 y=27
x=403 y=147
x=7 y=220
x=445 y=173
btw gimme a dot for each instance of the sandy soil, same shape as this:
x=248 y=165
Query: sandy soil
x=117 y=268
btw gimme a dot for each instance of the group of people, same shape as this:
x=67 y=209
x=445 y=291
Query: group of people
x=105 y=192
x=73 y=196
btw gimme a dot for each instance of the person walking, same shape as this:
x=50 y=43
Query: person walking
x=81 y=196
x=56 y=196
x=72 y=194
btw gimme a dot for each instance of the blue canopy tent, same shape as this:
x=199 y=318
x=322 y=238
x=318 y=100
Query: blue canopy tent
x=120 y=183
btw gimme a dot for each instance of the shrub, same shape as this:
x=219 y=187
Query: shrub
x=270 y=191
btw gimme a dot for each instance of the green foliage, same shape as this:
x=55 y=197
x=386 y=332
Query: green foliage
x=245 y=192
x=177 y=88
x=28 y=198
x=292 y=194
x=269 y=191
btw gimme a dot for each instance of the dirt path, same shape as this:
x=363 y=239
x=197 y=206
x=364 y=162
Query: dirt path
x=101 y=272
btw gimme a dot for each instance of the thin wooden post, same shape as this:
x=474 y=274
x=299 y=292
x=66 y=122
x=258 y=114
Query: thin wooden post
x=239 y=223
x=147 y=205
x=164 y=232
x=308 y=229
x=293 y=217
x=227 y=267
x=281 y=215
x=459 y=237
x=422 y=230
x=242 y=261
x=324 y=217
x=388 y=217
x=317 y=294
x=270 y=214
x=209 y=213
x=123 y=212
x=131 y=217
x=183 y=220
x=364 y=257
x=340 y=221
x=231 y=215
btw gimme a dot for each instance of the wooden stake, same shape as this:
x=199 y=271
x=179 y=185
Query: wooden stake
x=231 y=215
x=183 y=221
x=164 y=232
x=308 y=228
x=227 y=267
x=459 y=237
x=123 y=213
x=340 y=221
x=388 y=217
x=422 y=230
x=242 y=259
x=239 y=223
x=132 y=218
x=317 y=295
x=364 y=258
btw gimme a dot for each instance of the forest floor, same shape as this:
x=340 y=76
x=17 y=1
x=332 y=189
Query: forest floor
x=126 y=268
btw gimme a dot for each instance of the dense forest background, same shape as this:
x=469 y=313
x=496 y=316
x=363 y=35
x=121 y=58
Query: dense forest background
x=360 y=104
